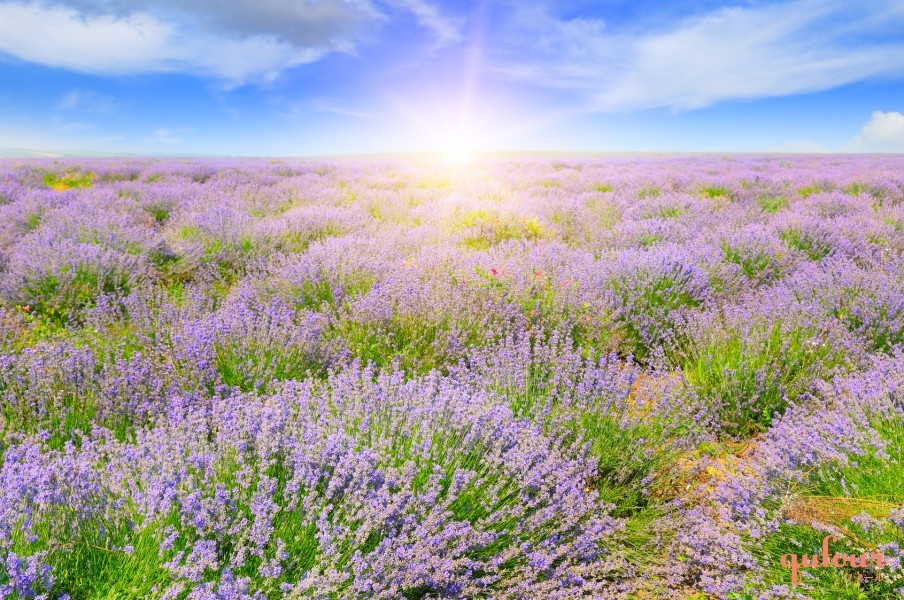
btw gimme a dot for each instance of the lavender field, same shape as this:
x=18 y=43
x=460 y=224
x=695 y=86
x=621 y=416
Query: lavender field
x=521 y=378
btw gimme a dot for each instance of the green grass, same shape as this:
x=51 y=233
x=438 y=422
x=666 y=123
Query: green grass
x=88 y=570
x=484 y=228
x=858 y=187
x=570 y=227
x=94 y=563
x=647 y=240
x=648 y=191
x=73 y=412
x=331 y=293
x=159 y=212
x=772 y=204
x=254 y=366
x=606 y=213
x=68 y=180
x=297 y=241
x=669 y=212
x=872 y=476
x=813 y=189
x=648 y=307
x=541 y=304
x=832 y=495
x=821 y=583
x=755 y=263
x=32 y=221
x=62 y=298
x=114 y=177
x=413 y=342
x=714 y=192
x=814 y=248
x=629 y=440
x=749 y=377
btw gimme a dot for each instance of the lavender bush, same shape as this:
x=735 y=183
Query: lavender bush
x=393 y=378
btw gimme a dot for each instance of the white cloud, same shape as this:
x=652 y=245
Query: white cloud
x=299 y=23
x=60 y=37
x=748 y=51
x=237 y=42
x=884 y=132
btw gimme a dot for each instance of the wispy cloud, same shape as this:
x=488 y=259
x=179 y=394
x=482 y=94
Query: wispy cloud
x=87 y=101
x=742 y=52
x=446 y=29
x=336 y=109
x=320 y=104
x=237 y=42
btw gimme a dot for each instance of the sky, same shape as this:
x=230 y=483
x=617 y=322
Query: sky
x=324 y=77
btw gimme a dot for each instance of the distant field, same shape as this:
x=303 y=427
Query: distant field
x=526 y=377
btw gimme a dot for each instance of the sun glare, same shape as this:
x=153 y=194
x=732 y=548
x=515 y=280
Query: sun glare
x=458 y=152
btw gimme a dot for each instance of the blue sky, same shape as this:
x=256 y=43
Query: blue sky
x=302 y=77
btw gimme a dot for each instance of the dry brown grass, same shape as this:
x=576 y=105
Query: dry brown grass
x=832 y=510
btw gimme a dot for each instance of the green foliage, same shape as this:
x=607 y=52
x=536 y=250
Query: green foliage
x=67 y=180
x=296 y=241
x=649 y=239
x=606 y=213
x=648 y=192
x=856 y=188
x=61 y=298
x=715 y=192
x=773 y=204
x=750 y=376
x=814 y=188
x=332 y=293
x=570 y=227
x=831 y=583
x=874 y=476
x=648 y=310
x=669 y=212
x=32 y=221
x=102 y=559
x=484 y=228
x=833 y=496
x=412 y=341
x=630 y=444
x=159 y=212
x=802 y=241
x=755 y=263
x=254 y=367
x=114 y=176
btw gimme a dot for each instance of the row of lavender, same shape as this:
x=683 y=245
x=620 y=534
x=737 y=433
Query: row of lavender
x=532 y=377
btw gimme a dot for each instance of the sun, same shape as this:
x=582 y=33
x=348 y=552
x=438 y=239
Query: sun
x=458 y=151
x=458 y=154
